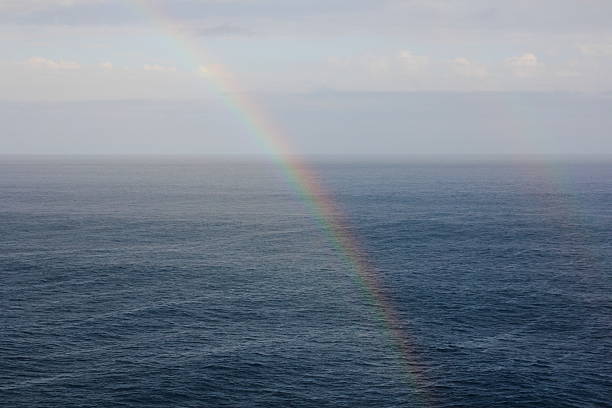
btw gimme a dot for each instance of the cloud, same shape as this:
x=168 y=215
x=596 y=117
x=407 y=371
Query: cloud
x=394 y=71
x=67 y=13
x=218 y=72
x=596 y=50
x=464 y=67
x=45 y=80
x=525 y=65
x=409 y=62
x=320 y=17
x=46 y=12
x=106 y=65
x=221 y=30
x=39 y=62
x=27 y=6
x=402 y=62
x=407 y=71
x=158 y=68
x=110 y=12
x=525 y=60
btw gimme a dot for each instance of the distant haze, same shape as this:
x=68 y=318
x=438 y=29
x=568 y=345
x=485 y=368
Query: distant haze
x=407 y=123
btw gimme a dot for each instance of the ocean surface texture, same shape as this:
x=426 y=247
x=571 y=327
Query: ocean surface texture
x=169 y=282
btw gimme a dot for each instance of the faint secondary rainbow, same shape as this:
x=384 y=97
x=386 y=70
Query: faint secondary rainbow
x=304 y=180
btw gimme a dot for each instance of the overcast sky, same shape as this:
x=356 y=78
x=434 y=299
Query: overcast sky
x=303 y=59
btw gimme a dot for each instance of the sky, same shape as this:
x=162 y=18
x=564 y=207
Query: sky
x=338 y=76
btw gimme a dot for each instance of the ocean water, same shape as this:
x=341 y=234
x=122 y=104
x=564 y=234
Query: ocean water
x=199 y=282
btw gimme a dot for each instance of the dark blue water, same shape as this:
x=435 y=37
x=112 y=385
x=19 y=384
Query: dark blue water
x=199 y=283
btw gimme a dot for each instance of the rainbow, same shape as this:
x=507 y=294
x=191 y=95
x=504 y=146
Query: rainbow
x=305 y=182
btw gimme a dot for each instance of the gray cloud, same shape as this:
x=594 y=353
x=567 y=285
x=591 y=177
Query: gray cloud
x=78 y=12
x=221 y=30
x=75 y=13
x=543 y=15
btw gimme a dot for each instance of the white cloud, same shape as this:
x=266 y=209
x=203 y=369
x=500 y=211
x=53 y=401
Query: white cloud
x=409 y=62
x=525 y=60
x=525 y=65
x=207 y=70
x=596 y=50
x=464 y=67
x=219 y=72
x=40 y=62
x=158 y=68
x=405 y=71
x=568 y=73
x=403 y=62
x=399 y=70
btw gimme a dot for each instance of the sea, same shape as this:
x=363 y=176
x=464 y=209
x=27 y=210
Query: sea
x=195 y=281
